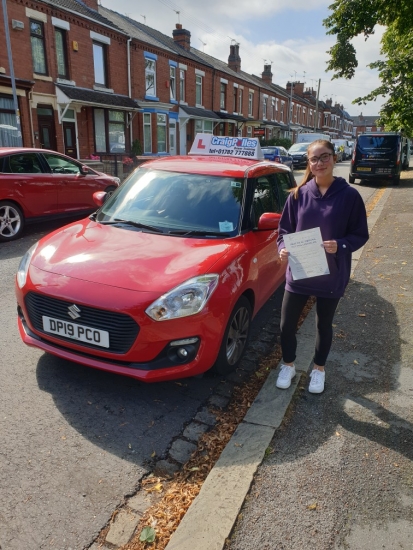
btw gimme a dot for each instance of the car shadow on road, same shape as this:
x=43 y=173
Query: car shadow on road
x=135 y=420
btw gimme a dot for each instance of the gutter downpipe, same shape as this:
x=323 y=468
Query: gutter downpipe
x=129 y=43
x=11 y=68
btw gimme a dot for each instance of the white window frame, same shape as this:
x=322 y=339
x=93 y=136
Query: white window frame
x=250 y=103
x=240 y=98
x=182 y=79
x=198 y=89
x=172 y=82
x=150 y=72
x=282 y=111
x=264 y=107
x=161 y=123
x=147 y=122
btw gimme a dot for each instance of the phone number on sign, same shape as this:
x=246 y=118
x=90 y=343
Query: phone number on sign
x=232 y=152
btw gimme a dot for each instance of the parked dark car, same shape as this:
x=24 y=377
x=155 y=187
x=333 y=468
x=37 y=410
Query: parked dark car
x=278 y=154
x=37 y=184
x=298 y=151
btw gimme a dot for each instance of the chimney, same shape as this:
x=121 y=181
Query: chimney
x=182 y=37
x=234 y=60
x=329 y=102
x=93 y=4
x=290 y=85
x=299 y=88
x=267 y=74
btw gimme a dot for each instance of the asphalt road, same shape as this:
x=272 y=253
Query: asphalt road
x=75 y=441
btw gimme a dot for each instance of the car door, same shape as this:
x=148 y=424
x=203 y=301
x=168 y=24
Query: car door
x=74 y=189
x=30 y=185
x=286 y=158
x=269 y=272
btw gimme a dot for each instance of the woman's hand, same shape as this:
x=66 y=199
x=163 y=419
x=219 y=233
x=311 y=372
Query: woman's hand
x=330 y=246
x=283 y=256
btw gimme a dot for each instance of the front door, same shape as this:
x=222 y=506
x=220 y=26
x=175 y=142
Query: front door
x=47 y=129
x=172 y=137
x=69 y=133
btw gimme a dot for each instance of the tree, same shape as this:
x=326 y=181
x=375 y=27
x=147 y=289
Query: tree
x=351 y=18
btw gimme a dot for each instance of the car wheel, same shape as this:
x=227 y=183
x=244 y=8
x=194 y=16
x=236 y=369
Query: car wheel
x=11 y=221
x=235 y=338
x=396 y=180
x=351 y=179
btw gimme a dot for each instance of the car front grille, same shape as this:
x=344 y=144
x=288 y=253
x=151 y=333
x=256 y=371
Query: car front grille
x=122 y=329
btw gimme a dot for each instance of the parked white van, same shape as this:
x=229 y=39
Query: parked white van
x=308 y=138
x=347 y=149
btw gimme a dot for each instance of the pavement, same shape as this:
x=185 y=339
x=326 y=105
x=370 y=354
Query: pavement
x=330 y=471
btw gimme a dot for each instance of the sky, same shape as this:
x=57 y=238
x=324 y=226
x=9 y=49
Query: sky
x=288 y=34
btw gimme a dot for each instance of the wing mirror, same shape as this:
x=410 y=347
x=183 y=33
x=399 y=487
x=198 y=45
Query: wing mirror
x=84 y=170
x=99 y=197
x=268 y=221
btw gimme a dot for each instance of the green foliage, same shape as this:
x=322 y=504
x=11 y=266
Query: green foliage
x=282 y=142
x=350 y=18
x=136 y=147
x=148 y=534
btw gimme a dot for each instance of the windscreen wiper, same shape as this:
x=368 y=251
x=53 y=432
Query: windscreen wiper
x=197 y=233
x=139 y=225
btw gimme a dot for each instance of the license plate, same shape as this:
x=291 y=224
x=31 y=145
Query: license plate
x=363 y=169
x=76 y=332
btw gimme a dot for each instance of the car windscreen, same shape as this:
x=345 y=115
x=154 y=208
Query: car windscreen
x=177 y=202
x=298 y=148
x=377 y=143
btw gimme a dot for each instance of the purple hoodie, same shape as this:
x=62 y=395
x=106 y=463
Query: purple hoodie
x=341 y=216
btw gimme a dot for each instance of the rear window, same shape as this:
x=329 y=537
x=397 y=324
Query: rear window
x=381 y=143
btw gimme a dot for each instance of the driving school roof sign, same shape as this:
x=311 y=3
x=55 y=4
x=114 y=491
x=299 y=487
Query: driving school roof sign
x=226 y=146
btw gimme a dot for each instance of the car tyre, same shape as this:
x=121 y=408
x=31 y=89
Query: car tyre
x=351 y=179
x=11 y=221
x=235 y=338
x=396 y=180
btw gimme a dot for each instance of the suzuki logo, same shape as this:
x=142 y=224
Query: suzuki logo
x=74 y=311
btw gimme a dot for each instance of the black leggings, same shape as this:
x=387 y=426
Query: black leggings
x=292 y=306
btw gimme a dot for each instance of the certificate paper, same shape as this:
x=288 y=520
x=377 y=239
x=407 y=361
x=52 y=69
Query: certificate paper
x=307 y=257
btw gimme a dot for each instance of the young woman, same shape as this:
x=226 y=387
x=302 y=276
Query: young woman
x=330 y=203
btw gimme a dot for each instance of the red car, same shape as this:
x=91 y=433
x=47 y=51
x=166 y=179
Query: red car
x=162 y=282
x=37 y=184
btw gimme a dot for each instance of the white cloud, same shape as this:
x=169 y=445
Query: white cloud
x=292 y=59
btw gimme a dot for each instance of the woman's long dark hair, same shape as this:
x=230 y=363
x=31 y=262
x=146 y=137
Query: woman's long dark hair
x=308 y=175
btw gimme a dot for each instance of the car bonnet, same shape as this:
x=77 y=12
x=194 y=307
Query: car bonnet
x=133 y=260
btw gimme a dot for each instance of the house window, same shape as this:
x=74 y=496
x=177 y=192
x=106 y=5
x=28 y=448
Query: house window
x=99 y=63
x=325 y=120
x=38 y=47
x=161 y=132
x=240 y=101
x=264 y=108
x=147 y=133
x=250 y=103
x=272 y=109
x=282 y=111
x=172 y=82
x=61 y=53
x=8 y=123
x=249 y=131
x=203 y=126
x=110 y=131
x=150 y=76
x=182 y=85
x=223 y=95
x=235 y=110
x=198 y=89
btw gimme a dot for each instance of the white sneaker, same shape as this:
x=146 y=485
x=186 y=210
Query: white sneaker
x=285 y=376
x=317 y=381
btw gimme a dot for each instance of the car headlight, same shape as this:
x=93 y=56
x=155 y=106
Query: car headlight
x=24 y=266
x=186 y=299
x=117 y=180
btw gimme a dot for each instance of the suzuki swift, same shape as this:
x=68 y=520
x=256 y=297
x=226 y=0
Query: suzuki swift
x=164 y=279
